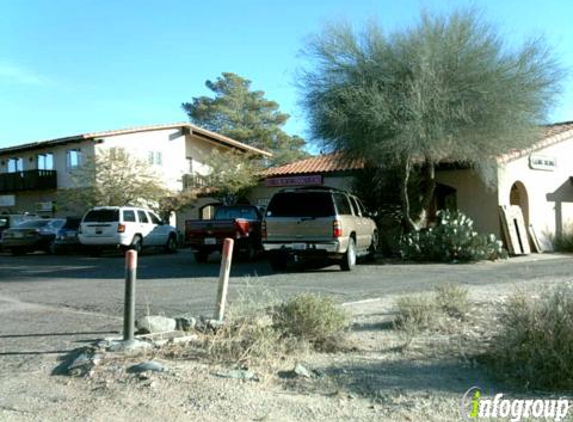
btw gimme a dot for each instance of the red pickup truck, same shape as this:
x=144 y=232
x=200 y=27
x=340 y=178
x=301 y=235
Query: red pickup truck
x=239 y=222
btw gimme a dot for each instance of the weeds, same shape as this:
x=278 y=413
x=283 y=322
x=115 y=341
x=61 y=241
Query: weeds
x=452 y=299
x=310 y=317
x=534 y=347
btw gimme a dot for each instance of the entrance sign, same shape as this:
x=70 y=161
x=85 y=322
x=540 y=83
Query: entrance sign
x=294 y=181
x=542 y=162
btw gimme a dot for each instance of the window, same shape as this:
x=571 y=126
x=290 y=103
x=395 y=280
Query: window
x=142 y=217
x=15 y=164
x=155 y=219
x=102 y=216
x=129 y=216
x=46 y=161
x=356 y=206
x=301 y=204
x=73 y=158
x=342 y=204
x=155 y=158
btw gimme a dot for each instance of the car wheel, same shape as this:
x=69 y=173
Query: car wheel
x=52 y=248
x=136 y=244
x=349 y=258
x=171 y=245
x=95 y=252
x=279 y=261
x=201 y=256
x=250 y=252
x=18 y=251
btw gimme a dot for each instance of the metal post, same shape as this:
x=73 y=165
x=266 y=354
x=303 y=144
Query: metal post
x=224 y=278
x=129 y=307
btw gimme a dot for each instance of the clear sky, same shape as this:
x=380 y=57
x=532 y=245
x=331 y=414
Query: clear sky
x=74 y=66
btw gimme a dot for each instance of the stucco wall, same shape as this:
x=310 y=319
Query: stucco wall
x=473 y=198
x=550 y=193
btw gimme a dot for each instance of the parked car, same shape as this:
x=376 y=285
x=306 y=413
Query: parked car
x=239 y=222
x=125 y=227
x=11 y=220
x=67 y=237
x=317 y=223
x=32 y=235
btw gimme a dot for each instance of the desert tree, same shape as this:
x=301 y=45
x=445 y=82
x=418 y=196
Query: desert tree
x=113 y=177
x=446 y=89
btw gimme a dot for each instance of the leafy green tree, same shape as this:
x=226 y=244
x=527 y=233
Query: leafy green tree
x=113 y=177
x=247 y=116
x=447 y=88
x=232 y=176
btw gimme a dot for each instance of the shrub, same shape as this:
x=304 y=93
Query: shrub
x=310 y=317
x=564 y=243
x=453 y=239
x=452 y=299
x=416 y=312
x=534 y=347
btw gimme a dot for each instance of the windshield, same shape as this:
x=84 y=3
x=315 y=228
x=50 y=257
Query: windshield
x=102 y=216
x=301 y=204
x=228 y=213
x=33 y=224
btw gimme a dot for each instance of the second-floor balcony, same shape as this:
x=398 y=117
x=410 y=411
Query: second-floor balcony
x=28 y=180
x=191 y=181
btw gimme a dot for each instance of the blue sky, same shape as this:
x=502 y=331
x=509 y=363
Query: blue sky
x=75 y=66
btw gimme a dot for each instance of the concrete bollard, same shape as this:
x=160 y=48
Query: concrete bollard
x=224 y=279
x=129 y=306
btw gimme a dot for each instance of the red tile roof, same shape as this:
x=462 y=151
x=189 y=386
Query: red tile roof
x=336 y=161
x=326 y=163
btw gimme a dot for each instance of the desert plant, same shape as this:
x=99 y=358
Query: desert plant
x=310 y=317
x=564 y=242
x=534 y=346
x=416 y=312
x=452 y=299
x=454 y=239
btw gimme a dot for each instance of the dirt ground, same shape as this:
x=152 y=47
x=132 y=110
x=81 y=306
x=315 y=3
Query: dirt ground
x=374 y=379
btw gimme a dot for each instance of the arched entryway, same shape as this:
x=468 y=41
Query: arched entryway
x=518 y=196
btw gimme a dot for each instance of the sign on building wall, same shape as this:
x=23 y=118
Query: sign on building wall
x=294 y=181
x=542 y=162
x=7 y=200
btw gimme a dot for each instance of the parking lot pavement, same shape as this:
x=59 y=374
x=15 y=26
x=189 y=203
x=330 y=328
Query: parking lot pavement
x=175 y=283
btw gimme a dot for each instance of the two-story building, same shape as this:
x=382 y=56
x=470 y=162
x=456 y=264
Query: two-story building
x=32 y=173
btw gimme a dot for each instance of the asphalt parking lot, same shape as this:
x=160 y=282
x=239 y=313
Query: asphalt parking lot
x=51 y=303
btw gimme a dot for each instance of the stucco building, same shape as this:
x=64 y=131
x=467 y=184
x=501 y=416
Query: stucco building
x=539 y=180
x=31 y=174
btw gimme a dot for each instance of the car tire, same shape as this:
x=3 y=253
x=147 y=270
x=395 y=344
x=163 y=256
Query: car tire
x=95 y=252
x=171 y=245
x=201 y=256
x=349 y=258
x=52 y=248
x=136 y=244
x=18 y=251
x=279 y=261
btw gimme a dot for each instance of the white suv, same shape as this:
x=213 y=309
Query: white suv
x=125 y=227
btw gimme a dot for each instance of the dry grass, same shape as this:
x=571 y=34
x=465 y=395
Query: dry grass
x=534 y=347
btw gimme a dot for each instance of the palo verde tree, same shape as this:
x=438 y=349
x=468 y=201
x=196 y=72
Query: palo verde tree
x=447 y=88
x=247 y=116
x=114 y=177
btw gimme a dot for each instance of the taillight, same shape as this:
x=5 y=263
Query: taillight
x=264 y=229
x=121 y=228
x=242 y=227
x=336 y=229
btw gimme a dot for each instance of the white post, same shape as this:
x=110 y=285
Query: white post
x=224 y=279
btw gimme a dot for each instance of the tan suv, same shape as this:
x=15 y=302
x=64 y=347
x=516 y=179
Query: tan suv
x=317 y=222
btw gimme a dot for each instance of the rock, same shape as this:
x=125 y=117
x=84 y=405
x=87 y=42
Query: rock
x=241 y=374
x=149 y=366
x=300 y=371
x=155 y=324
x=80 y=366
x=129 y=347
x=185 y=323
x=205 y=324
